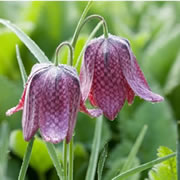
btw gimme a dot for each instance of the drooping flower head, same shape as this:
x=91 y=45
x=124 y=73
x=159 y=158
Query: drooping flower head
x=50 y=101
x=110 y=75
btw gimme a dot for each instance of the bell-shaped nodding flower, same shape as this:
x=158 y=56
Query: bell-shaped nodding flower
x=50 y=101
x=110 y=74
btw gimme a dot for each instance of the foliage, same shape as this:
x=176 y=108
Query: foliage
x=165 y=170
x=153 y=31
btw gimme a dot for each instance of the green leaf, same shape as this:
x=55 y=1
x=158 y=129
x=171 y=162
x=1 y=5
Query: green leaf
x=173 y=79
x=10 y=93
x=134 y=150
x=161 y=53
x=116 y=167
x=39 y=151
x=31 y=45
x=143 y=167
x=7 y=50
x=165 y=170
x=21 y=66
x=101 y=162
x=148 y=113
x=4 y=141
x=95 y=149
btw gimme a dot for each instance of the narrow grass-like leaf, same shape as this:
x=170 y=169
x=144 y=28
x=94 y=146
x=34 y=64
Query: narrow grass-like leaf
x=28 y=152
x=4 y=141
x=143 y=167
x=95 y=149
x=21 y=66
x=76 y=33
x=102 y=160
x=26 y=160
x=135 y=148
x=54 y=157
x=31 y=45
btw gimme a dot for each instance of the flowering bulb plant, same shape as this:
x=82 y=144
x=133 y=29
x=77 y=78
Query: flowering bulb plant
x=54 y=93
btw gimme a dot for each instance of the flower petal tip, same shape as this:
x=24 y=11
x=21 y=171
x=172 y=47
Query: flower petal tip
x=11 y=111
x=52 y=139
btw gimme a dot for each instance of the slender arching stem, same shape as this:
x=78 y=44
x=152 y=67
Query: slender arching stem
x=76 y=33
x=105 y=28
x=70 y=50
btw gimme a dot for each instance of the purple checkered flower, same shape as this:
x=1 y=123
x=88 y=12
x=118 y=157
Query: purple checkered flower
x=50 y=101
x=110 y=75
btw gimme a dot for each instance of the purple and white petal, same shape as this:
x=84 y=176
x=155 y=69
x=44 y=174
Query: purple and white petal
x=55 y=109
x=107 y=88
x=74 y=94
x=133 y=73
x=30 y=118
x=87 y=68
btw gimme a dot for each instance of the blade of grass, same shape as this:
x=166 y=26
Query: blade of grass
x=21 y=66
x=54 y=157
x=102 y=160
x=28 y=152
x=143 y=167
x=30 y=44
x=95 y=149
x=134 y=150
x=26 y=160
x=76 y=33
x=4 y=141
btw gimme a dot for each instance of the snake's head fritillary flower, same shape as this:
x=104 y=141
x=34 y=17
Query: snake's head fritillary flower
x=50 y=101
x=110 y=75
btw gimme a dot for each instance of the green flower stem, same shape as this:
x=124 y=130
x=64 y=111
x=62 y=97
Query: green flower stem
x=54 y=157
x=105 y=28
x=70 y=50
x=143 y=167
x=76 y=33
x=178 y=150
x=65 y=159
x=134 y=150
x=71 y=160
x=95 y=149
x=26 y=160
x=89 y=38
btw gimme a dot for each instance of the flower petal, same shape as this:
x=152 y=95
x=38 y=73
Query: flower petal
x=108 y=82
x=91 y=112
x=36 y=68
x=87 y=68
x=133 y=73
x=129 y=94
x=31 y=106
x=55 y=109
x=74 y=94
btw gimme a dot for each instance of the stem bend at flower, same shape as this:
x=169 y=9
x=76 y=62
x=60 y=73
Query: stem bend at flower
x=105 y=28
x=70 y=50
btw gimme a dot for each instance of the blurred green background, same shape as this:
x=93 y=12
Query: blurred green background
x=153 y=29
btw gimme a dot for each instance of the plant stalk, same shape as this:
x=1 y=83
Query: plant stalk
x=26 y=160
